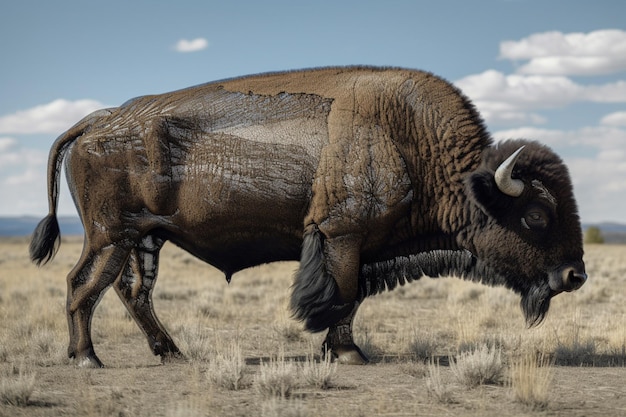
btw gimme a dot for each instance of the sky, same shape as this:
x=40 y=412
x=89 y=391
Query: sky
x=547 y=70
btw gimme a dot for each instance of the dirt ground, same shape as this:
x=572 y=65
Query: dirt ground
x=404 y=330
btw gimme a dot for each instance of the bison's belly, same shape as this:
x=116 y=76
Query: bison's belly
x=241 y=229
x=232 y=252
x=244 y=207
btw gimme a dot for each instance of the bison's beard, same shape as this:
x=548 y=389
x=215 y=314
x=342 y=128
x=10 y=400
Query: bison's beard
x=535 y=304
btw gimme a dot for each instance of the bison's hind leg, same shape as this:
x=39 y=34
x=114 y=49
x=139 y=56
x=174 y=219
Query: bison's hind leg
x=316 y=296
x=91 y=277
x=134 y=287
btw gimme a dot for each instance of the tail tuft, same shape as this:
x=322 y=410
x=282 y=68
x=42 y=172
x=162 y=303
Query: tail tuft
x=45 y=241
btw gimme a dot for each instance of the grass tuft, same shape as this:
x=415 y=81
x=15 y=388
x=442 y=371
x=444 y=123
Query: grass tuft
x=17 y=387
x=276 y=378
x=319 y=374
x=479 y=367
x=227 y=369
x=530 y=380
x=423 y=347
x=436 y=387
x=195 y=344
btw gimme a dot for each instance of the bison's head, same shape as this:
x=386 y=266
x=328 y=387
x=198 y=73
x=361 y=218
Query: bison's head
x=525 y=225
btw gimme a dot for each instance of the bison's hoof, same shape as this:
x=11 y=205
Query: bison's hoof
x=349 y=355
x=88 y=362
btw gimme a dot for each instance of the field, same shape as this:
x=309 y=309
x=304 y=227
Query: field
x=440 y=347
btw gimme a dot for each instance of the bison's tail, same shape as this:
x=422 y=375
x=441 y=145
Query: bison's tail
x=315 y=295
x=45 y=240
x=46 y=237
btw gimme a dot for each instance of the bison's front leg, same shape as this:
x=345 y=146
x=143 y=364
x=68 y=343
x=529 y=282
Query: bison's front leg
x=340 y=344
x=325 y=288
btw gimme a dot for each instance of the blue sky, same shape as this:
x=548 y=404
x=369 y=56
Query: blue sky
x=549 y=70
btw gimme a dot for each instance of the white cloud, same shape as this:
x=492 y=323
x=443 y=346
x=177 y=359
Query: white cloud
x=23 y=181
x=12 y=155
x=543 y=82
x=601 y=138
x=537 y=91
x=6 y=144
x=555 y=53
x=606 y=93
x=506 y=99
x=54 y=117
x=519 y=91
x=599 y=186
x=614 y=119
x=193 y=45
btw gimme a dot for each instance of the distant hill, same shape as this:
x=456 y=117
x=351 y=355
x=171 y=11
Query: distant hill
x=24 y=226
x=609 y=227
x=611 y=232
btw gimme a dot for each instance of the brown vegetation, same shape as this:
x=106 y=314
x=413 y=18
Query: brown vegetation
x=245 y=356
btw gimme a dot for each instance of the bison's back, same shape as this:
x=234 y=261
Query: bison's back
x=235 y=162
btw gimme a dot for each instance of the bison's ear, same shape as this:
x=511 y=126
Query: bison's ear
x=484 y=192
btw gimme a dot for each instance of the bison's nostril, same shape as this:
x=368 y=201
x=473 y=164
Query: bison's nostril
x=573 y=279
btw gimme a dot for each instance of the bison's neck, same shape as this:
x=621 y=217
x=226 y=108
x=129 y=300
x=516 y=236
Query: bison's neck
x=386 y=275
x=441 y=150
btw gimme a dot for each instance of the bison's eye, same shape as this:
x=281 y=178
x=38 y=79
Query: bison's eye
x=535 y=219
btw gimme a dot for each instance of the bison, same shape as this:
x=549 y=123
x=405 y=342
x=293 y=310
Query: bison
x=370 y=177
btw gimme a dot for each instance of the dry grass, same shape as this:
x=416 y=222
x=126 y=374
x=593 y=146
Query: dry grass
x=481 y=366
x=531 y=379
x=437 y=387
x=247 y=357
x=196 y=343
x=17 y=386
x=276 y=378
x=318 y=374
x=228 y=369
x=423 y=346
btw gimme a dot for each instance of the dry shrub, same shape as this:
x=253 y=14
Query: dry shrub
x=319 y=374
x=436 y=387
x=195 y=344
x=227 y=369
x=479 y=367
x=530 y=380
x=17 y=386
x=423 y=346
x=276 y=378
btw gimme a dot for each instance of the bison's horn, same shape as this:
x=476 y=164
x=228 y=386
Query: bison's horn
x=504 y=181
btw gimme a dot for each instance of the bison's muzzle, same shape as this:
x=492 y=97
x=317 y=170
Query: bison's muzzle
x=568 y=277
